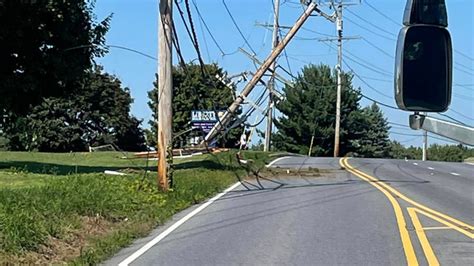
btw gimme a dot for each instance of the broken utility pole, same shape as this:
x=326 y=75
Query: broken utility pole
x=226 y=118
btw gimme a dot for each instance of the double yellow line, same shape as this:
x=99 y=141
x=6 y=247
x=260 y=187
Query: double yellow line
x=390 y=193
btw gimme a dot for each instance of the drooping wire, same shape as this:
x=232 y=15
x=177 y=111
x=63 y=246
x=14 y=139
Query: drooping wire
x=207 y=28
x=237 y=27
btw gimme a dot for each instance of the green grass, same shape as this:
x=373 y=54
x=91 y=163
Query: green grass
x=50 y=214
x=469 y=160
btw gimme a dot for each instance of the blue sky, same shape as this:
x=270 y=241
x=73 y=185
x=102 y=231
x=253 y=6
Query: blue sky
x=377 y=22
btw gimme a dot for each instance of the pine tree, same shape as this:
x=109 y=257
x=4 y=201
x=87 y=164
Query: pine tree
x=374 y=142
x=309 y=109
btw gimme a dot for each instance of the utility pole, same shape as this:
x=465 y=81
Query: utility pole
x=165 y=94
x=425 y=144
x=226 y=118
x=337 y=18
x=271 y=83
x=339 y=79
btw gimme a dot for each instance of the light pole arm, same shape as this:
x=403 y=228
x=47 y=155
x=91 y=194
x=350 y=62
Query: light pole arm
x=460 y=133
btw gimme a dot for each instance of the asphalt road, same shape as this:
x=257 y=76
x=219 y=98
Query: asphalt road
x=376 y=212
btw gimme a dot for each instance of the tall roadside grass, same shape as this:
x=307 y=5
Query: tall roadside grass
x=84 y=218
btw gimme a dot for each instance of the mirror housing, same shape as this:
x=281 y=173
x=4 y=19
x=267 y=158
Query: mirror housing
x=423 y=70
x=432 y=12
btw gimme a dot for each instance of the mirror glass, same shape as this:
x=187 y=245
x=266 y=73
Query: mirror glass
x=426 y=69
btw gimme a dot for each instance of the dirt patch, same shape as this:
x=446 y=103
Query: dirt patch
x=289 y=173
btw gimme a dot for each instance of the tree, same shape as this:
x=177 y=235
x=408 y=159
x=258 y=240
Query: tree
x=374 y=142
x=195 y=88
x=38 y=55
x=99 y=115
x=309 y=110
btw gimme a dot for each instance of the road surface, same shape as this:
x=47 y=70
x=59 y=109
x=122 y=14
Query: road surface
x=372 y=212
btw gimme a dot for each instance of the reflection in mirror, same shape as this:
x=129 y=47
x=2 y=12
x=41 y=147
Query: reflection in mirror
x=425 y=81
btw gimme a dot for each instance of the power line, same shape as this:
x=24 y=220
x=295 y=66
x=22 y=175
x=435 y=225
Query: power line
x=463 y=55
x=382 y=14
x=377 y=79
x=398 y=124
x=367 y=65
x=443 y=139
x=464 y=66
x=372 y=24
x=380 y=70
x=463 y=97
x=366 y=83
x=383 y=73
x=207 y=28
x=404 y=134
x=398 y=24
x=463 y=71
x=194 y=35
x=453 y=119
x=237 y=27
x=460 y=114
x=113 y=46
x=285 y=54
x=369 y=30
x=378 y=48
x=410 y=139
x=205 y=41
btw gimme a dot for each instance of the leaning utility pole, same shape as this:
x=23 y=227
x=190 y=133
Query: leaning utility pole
x=165 y=93
x=271 y=83
x=226 y=118
x=339 y=79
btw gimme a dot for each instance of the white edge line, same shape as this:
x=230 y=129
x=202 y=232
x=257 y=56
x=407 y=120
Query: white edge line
x=471 y=163
x=173 y=227
x=276 y=160
x=456 y=174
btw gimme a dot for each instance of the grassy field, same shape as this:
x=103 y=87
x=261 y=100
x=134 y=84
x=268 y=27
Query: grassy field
x=57 y=208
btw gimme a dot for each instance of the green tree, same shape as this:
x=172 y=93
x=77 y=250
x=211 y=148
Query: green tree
x=37 y=54
x=309 y=109
x=99 y=115
x=449 y=153
x=374 y=141
x=194 y=89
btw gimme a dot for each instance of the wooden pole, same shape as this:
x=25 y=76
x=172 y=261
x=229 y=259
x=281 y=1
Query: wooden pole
x=165 y=93
x=271 y=83
x=339 y=81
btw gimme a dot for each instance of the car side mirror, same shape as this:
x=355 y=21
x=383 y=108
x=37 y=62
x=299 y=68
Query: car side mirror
x=423 y=71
